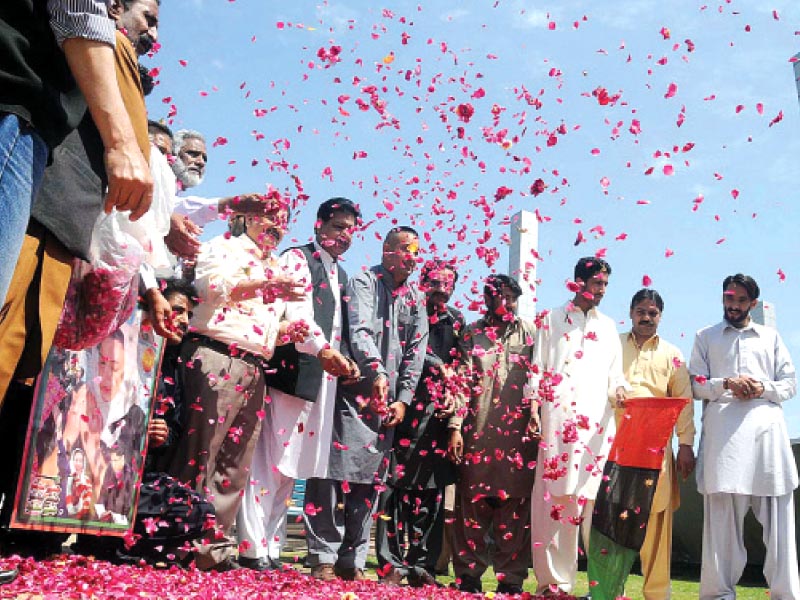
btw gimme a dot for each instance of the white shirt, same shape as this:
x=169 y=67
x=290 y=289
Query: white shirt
x=250 y=325
x=201 y=211
x=584 y=351
x=300 y=431
x=744 y=445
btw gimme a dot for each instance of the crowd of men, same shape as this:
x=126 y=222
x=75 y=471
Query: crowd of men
x=482 y=441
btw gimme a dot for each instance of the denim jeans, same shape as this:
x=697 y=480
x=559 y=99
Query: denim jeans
x=23 y=155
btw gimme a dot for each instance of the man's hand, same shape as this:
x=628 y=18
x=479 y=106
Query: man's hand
x=534 y=429
x=283 y=287
x=446 y=408
x=397 y=411
x=745 y=388
x=620 y=395
x=182 y=238
x=292 y=332
x=161 y=315
x=380 y=389
x=334 y=362
x=157 y=432
x=685 y=461
x=455 y=446
x=130 y=185
x=353 y=373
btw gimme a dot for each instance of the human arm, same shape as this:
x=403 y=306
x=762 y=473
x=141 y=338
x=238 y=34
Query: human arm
x=203 y=211
x=157 y=306
x=461 y=392
x=361 y=310
x=462 y=389
x=680 y=386
x=704 y=386
x=130 y=184
x=617 y=385
x=222 y=266
x=414 y=342
x=182 y=239
x=784 y=384
x=455 y=445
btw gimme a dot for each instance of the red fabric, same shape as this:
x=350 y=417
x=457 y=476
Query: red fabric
x=644 y=430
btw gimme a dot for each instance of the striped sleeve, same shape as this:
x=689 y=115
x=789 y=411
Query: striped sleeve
x=81 y=19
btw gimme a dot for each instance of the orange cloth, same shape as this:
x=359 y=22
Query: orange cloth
x=33 y=305
x=130 y=88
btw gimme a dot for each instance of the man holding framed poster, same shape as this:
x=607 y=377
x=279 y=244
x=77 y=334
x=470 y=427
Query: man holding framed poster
x=86 y=437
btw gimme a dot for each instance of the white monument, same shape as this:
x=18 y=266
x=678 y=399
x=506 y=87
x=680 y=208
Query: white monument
x=522 y=261
x=764 y=314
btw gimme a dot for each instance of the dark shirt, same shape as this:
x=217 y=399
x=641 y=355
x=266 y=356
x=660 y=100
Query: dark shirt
x=169 y=406
x=420 y=445
x=35 y=82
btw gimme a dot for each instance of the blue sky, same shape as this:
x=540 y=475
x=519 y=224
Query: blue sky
x=684 y=204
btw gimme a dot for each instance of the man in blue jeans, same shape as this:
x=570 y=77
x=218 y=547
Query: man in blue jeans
x=44 y=94
x=40 y=104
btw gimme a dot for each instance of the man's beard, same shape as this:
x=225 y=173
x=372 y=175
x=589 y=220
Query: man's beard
x=187 y=178
x=144 y=43
x=741 y=319
x=148 y=83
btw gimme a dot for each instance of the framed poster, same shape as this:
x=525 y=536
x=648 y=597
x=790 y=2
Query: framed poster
x=87 y=434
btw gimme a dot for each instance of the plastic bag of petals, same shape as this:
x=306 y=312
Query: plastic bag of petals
x=102 y=293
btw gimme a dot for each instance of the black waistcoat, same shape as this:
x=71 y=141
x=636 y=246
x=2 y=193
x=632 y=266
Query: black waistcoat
x=301 y=374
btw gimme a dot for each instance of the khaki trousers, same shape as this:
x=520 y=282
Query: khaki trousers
x=656 y=554
x=223 y=397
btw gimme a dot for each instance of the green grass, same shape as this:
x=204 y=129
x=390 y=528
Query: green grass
x=684 y=587
x=685 y=581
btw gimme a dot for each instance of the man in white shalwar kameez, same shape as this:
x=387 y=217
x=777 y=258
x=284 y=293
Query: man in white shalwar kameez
x=577 y=381
x=743 y=373
x=295 y=440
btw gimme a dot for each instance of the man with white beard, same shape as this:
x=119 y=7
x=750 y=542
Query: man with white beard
x=190 y=159
x=188 y=169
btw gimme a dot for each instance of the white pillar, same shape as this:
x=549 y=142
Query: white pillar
x=797 y=74
x=764 y=314
x=522 y=261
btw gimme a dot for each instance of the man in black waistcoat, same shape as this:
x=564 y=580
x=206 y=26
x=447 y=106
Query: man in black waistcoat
x=295 y=440
x=410 y=530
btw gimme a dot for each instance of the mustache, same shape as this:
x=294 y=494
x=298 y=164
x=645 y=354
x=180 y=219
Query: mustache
x=275 y=233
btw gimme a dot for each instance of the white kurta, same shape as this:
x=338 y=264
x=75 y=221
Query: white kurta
x=299 y=431
x=578 y=425
x=744 y=446
x=296 y=435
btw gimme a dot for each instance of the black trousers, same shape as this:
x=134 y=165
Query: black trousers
x=410 y=530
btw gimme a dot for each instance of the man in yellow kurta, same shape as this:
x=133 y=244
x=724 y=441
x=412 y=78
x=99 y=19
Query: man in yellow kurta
x=655 y=368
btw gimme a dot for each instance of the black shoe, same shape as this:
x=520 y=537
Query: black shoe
x=470 y=584
x=509 y=589
x=8 y=575
x=257 y=564
x=226 y=565
x=420 y=579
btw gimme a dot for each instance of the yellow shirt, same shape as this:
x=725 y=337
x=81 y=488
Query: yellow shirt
x=658 y=370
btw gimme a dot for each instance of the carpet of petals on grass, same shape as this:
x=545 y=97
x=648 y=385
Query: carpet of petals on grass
x=82 y=578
